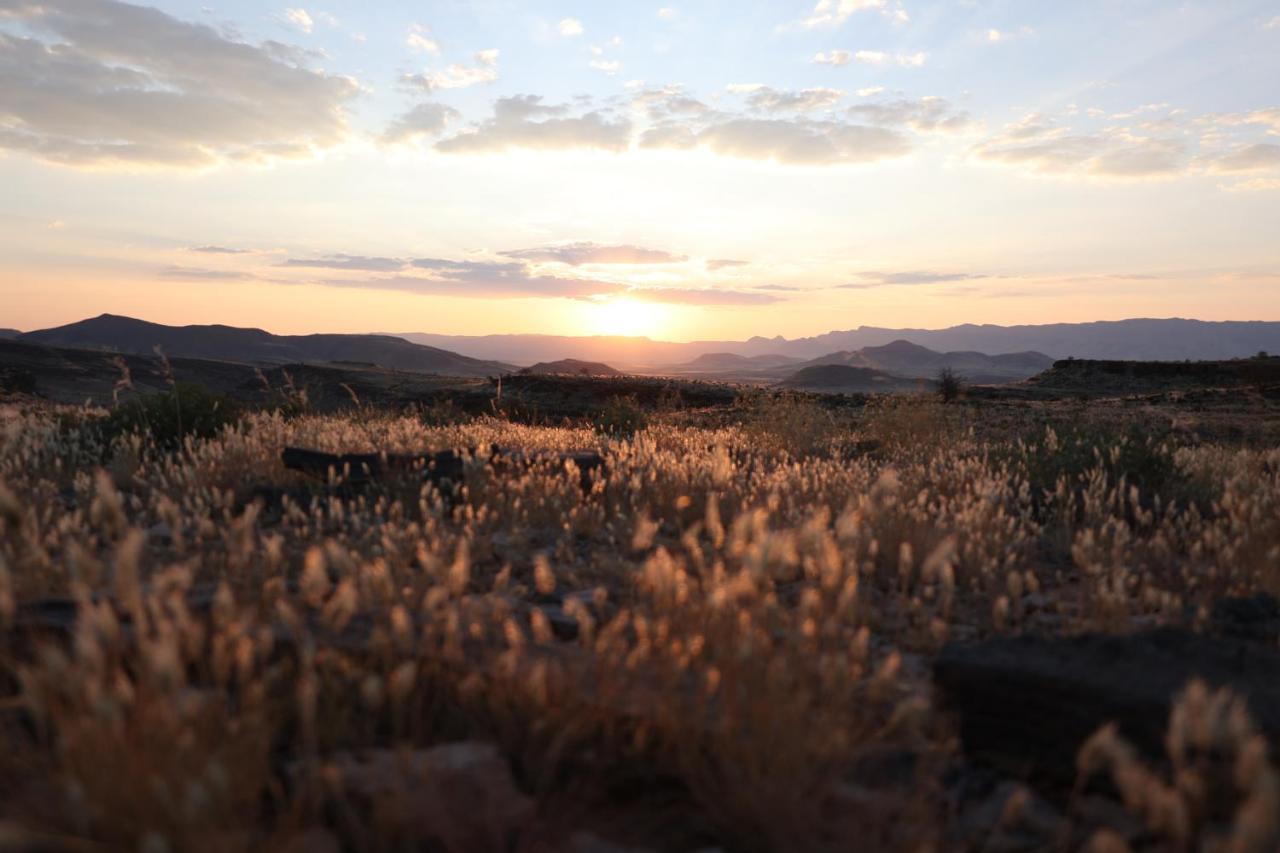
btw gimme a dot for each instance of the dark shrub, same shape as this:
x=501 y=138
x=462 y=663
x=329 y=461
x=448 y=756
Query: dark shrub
x=950 y=385
x=621 y=417
x=170 y=416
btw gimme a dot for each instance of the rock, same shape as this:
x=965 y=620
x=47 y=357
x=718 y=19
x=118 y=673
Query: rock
x=1012 y=818
x=460 y=794
x=589 y=842
x=1026 y=704
x=1255 y=618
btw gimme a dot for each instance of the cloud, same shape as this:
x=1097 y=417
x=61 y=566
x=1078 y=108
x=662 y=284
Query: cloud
x=868 y=91
x=347 y=262
x=833 y=13
x=199 y=274
x=481 y=279
x=879 y=57
x=300 y=19
x=457 y=76
x=1258 y=157
x=667 y=13
x=1273 y=24
x=219 y=250
x=608 y=66
x=1252 y=185
x=724 y=263
x=570 y=27
x=694 y=296
x=1038 y=144
x=926 y=115
x=833 y=57
x=578 y=254
x=425 y=119
x=669 y=101
x=103 y=83
x=524 y=121
x=869 y=280
x=995 y=36
x=766 y=99
x=794 y=141
x=419 y=39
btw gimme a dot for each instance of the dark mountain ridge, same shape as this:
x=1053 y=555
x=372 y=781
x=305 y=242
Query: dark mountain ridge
x=573 y=367
x=255 y=346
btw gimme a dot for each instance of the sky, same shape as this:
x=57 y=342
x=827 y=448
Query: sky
x=708 y=169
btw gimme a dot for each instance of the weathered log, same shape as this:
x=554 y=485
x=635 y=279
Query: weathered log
x=357 y=469
x=1027 y=704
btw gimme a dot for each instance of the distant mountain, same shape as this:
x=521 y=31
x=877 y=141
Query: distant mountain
x=1140 y=339
x=255 y=346
x=845 y=379
x=903 y=358
x=5 y=334
x=572 y=366
x=714 y=361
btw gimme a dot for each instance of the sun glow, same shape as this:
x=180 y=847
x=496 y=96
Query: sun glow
x=623 y=316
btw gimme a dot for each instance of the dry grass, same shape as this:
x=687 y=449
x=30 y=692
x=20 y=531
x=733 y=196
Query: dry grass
x=260 y=661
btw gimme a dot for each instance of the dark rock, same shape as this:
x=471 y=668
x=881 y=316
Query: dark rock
x=1255 y=618
x=1026 y=704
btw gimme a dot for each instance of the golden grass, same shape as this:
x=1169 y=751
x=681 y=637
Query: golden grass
x=755 y=607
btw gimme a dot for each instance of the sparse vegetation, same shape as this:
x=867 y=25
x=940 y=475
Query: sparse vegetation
x=721 y=640
x=169 y=417
x=950 y=385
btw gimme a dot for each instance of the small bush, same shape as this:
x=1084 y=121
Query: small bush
x=792 y=423
x=173 y=415
x=621 y=417
x=950 y=385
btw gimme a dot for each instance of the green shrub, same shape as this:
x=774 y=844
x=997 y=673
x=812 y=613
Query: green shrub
x=171 y=416
x=621 y=417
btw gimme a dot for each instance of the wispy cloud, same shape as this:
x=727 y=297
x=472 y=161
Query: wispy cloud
x=833 y=13
x=869 y=280
x=524 y=121
x=419 y=39
x=219 y=250
x=770 y=100
x=347 y=262
x=299 y=18
x=997 y=36
x=925 y=115
x=701 y=296
x=457 y=76
x=421 y=120
x=569 y=27
x=880 y=57
x=579 y=254
x=202 y=274
x=832 y=57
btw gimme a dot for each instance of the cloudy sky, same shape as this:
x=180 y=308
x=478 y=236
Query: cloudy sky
x=705 y=169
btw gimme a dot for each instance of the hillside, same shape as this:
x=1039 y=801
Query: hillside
x=903 y=358
x=845 y=379
x=255 y=346
x=716 y=361
x=572 y=366
x=1139 y=377
x=9 y=333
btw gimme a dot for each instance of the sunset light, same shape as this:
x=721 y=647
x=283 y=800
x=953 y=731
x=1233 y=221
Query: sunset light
x=587 y=426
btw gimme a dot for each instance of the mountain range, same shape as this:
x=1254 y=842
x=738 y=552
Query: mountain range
x=255 y=346
x=1138 y=340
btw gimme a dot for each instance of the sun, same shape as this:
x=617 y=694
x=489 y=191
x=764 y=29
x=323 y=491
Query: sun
x=623 y=316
